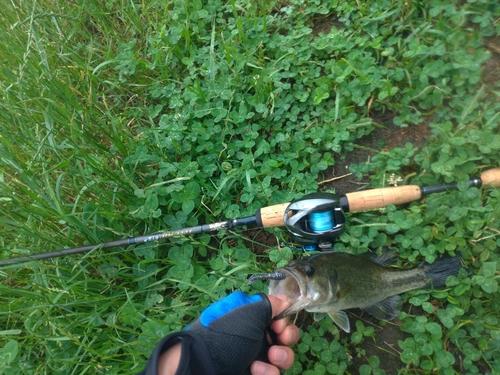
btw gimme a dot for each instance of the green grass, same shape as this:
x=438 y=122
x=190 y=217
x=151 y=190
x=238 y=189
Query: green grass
x=125 y=118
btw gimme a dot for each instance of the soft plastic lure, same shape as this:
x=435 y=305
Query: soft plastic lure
x=276 y=275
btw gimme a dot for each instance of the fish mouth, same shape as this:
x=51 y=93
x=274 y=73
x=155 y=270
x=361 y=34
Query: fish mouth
x=294 y=288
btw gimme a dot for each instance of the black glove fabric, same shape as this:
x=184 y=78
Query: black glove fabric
x=229 y=335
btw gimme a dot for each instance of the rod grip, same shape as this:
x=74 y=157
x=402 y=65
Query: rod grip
x=271 y=216
x=382 y=197
x=491 y=178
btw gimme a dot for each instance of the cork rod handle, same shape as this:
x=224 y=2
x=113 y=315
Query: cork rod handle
x=382 y=197
x=491 y=178
x=272 y=216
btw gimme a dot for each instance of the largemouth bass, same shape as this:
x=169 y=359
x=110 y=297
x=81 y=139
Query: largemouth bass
x=331 y=282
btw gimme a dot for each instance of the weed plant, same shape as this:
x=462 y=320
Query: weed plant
x=123 y=118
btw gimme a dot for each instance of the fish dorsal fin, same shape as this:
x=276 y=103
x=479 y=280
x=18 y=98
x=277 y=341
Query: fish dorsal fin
x=340 y=318
x=386 y=258
x=386 y=309
x=319 y=316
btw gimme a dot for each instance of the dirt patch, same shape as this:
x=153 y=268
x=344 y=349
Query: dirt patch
x=323 y=25
x=491 y=69
x=383 y=345
x=384 y=137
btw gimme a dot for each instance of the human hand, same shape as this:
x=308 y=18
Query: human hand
x=281 y=357
x=234 y=330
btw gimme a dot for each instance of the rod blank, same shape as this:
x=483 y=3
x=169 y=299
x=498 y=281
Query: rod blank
x=134 y=240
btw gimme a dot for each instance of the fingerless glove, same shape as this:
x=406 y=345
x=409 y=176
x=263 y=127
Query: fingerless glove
x=229 y=335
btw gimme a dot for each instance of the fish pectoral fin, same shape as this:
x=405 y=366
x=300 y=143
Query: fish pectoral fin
x=343 y=291
x=340 y=318
x=318 y=316
x=387 y=309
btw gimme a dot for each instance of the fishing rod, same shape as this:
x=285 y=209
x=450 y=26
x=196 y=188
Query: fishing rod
x=314 y=220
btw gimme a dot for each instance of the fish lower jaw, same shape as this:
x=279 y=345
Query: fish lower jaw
x=298 y=305
x=317 y=309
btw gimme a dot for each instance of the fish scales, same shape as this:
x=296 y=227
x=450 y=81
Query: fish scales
x=407 y=280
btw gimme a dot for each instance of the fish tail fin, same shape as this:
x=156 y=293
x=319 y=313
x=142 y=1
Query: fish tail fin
x=438 y=272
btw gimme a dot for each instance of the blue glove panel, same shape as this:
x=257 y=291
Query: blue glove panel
x=222 y=307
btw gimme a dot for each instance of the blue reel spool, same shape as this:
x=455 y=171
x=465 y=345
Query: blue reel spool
x=321 y=221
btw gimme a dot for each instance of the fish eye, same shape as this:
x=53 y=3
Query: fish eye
x=309 y=270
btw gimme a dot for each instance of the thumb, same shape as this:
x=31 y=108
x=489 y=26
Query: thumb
x=279 y=303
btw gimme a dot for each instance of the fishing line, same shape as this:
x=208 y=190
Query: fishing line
x=321 y=221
